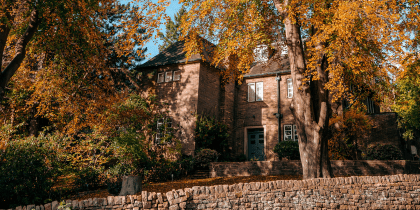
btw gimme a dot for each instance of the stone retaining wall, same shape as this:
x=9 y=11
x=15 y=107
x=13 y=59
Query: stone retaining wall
x=293 y=167
x=368 y=192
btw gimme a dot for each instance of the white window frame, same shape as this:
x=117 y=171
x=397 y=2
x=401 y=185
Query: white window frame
x=293 y=133
x=177 y=77
x=251 y=95
x=257 y=93
x=168 y=76
x=162 y=126
x=161 y=76
x=289 y=83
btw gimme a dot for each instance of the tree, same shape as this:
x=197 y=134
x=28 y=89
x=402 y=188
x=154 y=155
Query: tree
x=54 y=60
x=331 y=45
x=407 y=103
x=173 y=32
x=114 y=30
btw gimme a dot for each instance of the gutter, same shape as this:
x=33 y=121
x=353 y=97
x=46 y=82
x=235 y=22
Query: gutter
x=268 y=74
x=278 y=114
x=176 y=62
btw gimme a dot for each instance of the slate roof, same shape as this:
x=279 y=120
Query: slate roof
x=174 y=54
x=277 y=63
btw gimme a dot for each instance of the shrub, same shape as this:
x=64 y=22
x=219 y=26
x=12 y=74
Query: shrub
x=383 y=152
x=205 y=156
x=114 y=185
x=28 y=169
x=345 y=131
x=240 y=158
x=287 y=149
x=211 y=134
x=88 y=179
x=186 y=165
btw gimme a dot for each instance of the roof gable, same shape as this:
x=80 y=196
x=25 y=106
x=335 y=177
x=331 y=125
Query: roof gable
x=175 y=54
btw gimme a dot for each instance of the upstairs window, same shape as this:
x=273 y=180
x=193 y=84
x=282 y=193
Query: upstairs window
x=177 y=75
x=160 y=78
x=289 y=88
x=168 y=76
x=290 y=133
x=163 y=131
x=255 y=91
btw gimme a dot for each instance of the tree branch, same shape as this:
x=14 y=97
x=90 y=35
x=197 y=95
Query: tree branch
x=4 y=33
x=13 y=66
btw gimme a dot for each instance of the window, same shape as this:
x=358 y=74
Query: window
x=168 y=76
x=289 y=88
x=177 y=75
x=295 y=134
x=160 y=78
x=255 y=91
x=290 y=133
x=163 y=130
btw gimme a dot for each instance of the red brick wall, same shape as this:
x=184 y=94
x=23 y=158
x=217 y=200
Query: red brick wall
x=181 y=98
x=261 y=113
x=227 y=109
x=384 y=131
x=208 y=91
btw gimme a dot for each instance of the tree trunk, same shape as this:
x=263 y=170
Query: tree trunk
x=13 y=66
x=310 y=105
x=130 y=185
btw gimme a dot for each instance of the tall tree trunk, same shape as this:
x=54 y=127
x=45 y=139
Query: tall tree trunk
x=13 y=66
x=310 y=105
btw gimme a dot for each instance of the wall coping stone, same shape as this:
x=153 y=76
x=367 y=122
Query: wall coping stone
x=370 y=192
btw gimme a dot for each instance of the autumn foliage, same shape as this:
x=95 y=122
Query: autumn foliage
x=347 y=132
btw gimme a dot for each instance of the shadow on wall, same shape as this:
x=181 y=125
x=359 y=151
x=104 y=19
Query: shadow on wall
x=180 y=99
x=294 y=167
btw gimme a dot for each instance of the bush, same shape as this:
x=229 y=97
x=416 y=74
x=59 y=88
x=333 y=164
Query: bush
x=204 y=157
x=88 y=179
x=211 y=134
x=383 y=152
x=240 y=158
x=287 y=149
x=345 y=131
x=114 y=185
x=28 y=169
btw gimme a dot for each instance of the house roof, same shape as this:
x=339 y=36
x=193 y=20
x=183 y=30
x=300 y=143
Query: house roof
x=175 y=54
x=276 y=64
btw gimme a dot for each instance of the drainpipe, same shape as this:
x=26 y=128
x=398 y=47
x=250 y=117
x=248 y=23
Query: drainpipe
x=278 y=114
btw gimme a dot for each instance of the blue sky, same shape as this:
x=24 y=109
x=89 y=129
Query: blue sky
x=152 y=46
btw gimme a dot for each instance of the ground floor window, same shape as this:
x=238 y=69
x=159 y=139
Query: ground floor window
x=163 y=130
x=290 y=133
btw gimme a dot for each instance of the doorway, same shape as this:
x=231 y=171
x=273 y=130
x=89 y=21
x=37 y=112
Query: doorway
x=256 y=144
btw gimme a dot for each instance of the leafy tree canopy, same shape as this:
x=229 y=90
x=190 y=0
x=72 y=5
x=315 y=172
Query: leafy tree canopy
x=57 y=57
x=407 y=103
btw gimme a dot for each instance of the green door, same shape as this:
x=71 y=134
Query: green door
x=256 y=144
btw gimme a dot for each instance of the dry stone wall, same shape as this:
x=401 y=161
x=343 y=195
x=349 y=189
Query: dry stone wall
x=367 y=192
x=293 y=167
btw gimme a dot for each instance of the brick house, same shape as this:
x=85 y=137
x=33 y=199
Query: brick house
x=256 y=111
